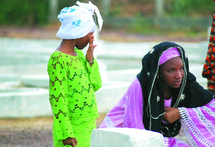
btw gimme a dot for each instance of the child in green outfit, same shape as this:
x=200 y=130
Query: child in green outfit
x=74 y=77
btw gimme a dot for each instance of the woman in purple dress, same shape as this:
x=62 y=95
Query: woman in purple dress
x=165 y=97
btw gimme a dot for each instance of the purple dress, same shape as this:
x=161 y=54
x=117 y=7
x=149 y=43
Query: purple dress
x=198 y=123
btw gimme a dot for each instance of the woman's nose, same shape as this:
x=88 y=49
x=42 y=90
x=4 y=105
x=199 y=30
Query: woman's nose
x=179 y=74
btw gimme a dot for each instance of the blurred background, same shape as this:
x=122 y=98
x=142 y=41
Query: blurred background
x=131 y=28
x=145 y=17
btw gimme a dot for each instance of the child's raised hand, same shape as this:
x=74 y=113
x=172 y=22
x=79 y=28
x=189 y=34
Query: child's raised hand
x=90 y=50
x=70 y=141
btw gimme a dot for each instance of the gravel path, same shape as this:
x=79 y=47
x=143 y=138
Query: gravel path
x=26 y=132
x=32 y=132
x=29 y=132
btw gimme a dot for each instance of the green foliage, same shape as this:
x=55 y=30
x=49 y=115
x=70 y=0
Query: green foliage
x=140 y=24
x=24 y=12
x=36 y=12
x=153 y=25
x=66 y=3
x=116 y=11
x=190 y=16
x=189 y=7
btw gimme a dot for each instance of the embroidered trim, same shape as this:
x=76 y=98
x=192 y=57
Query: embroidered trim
x=188 y=128
x=207 y=124
x=182 y=97
x=108 y=122
x=183 y=84
x=158 y=98
x=166 y=142
x=152 y=50
x=185 y=125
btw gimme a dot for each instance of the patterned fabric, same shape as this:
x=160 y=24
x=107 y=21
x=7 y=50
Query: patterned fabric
x=71 y=92
x=82 y=133
x=198 y=123
x=209 y=66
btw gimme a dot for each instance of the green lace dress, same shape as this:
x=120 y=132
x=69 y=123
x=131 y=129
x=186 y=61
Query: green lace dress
x=71 y=93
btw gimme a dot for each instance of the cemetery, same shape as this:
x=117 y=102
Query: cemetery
x=24 y=79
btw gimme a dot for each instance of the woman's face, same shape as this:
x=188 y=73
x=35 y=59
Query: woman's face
x=172 y=72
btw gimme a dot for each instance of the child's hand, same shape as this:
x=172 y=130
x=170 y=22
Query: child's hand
x=70 y=141
x=90 y=50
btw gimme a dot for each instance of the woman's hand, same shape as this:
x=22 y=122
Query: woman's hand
x=171 y=114
x=90 y=50
x=70 y=141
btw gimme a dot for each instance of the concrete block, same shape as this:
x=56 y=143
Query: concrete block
x=36 y=81
x=109 y=94
x=24 y=102
x=125 y=75
x=125 y=137
x=8 y=78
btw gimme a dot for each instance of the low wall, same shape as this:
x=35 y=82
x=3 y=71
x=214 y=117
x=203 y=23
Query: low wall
x=119 y=63
x=24 y=102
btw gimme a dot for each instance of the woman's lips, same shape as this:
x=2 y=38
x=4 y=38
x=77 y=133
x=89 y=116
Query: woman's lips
x=177 y=83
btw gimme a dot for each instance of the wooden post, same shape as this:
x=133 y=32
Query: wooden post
x=105 y=8
x=53 y=10
x=159 y=8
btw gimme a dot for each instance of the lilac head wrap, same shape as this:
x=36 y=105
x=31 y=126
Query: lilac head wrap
x=169 y=54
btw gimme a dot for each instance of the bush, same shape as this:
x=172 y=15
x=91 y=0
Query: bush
x=24 y=12
x=189 y=7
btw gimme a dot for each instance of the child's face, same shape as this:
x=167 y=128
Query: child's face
x=82 y=42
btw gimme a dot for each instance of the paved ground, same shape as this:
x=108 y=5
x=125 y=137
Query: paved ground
x=29 y=132
x=32 y=132
x=26 y=132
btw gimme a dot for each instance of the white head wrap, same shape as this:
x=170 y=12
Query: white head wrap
x=78 y=21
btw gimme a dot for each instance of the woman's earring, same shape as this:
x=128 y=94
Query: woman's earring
x=159 y=76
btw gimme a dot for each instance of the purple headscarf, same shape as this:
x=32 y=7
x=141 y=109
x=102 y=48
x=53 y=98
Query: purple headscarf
x=169 y=54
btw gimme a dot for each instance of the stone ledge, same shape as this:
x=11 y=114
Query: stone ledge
x=24 y=102
x=125 y=137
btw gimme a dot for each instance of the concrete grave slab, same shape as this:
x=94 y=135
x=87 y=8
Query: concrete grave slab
x=125 y=137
